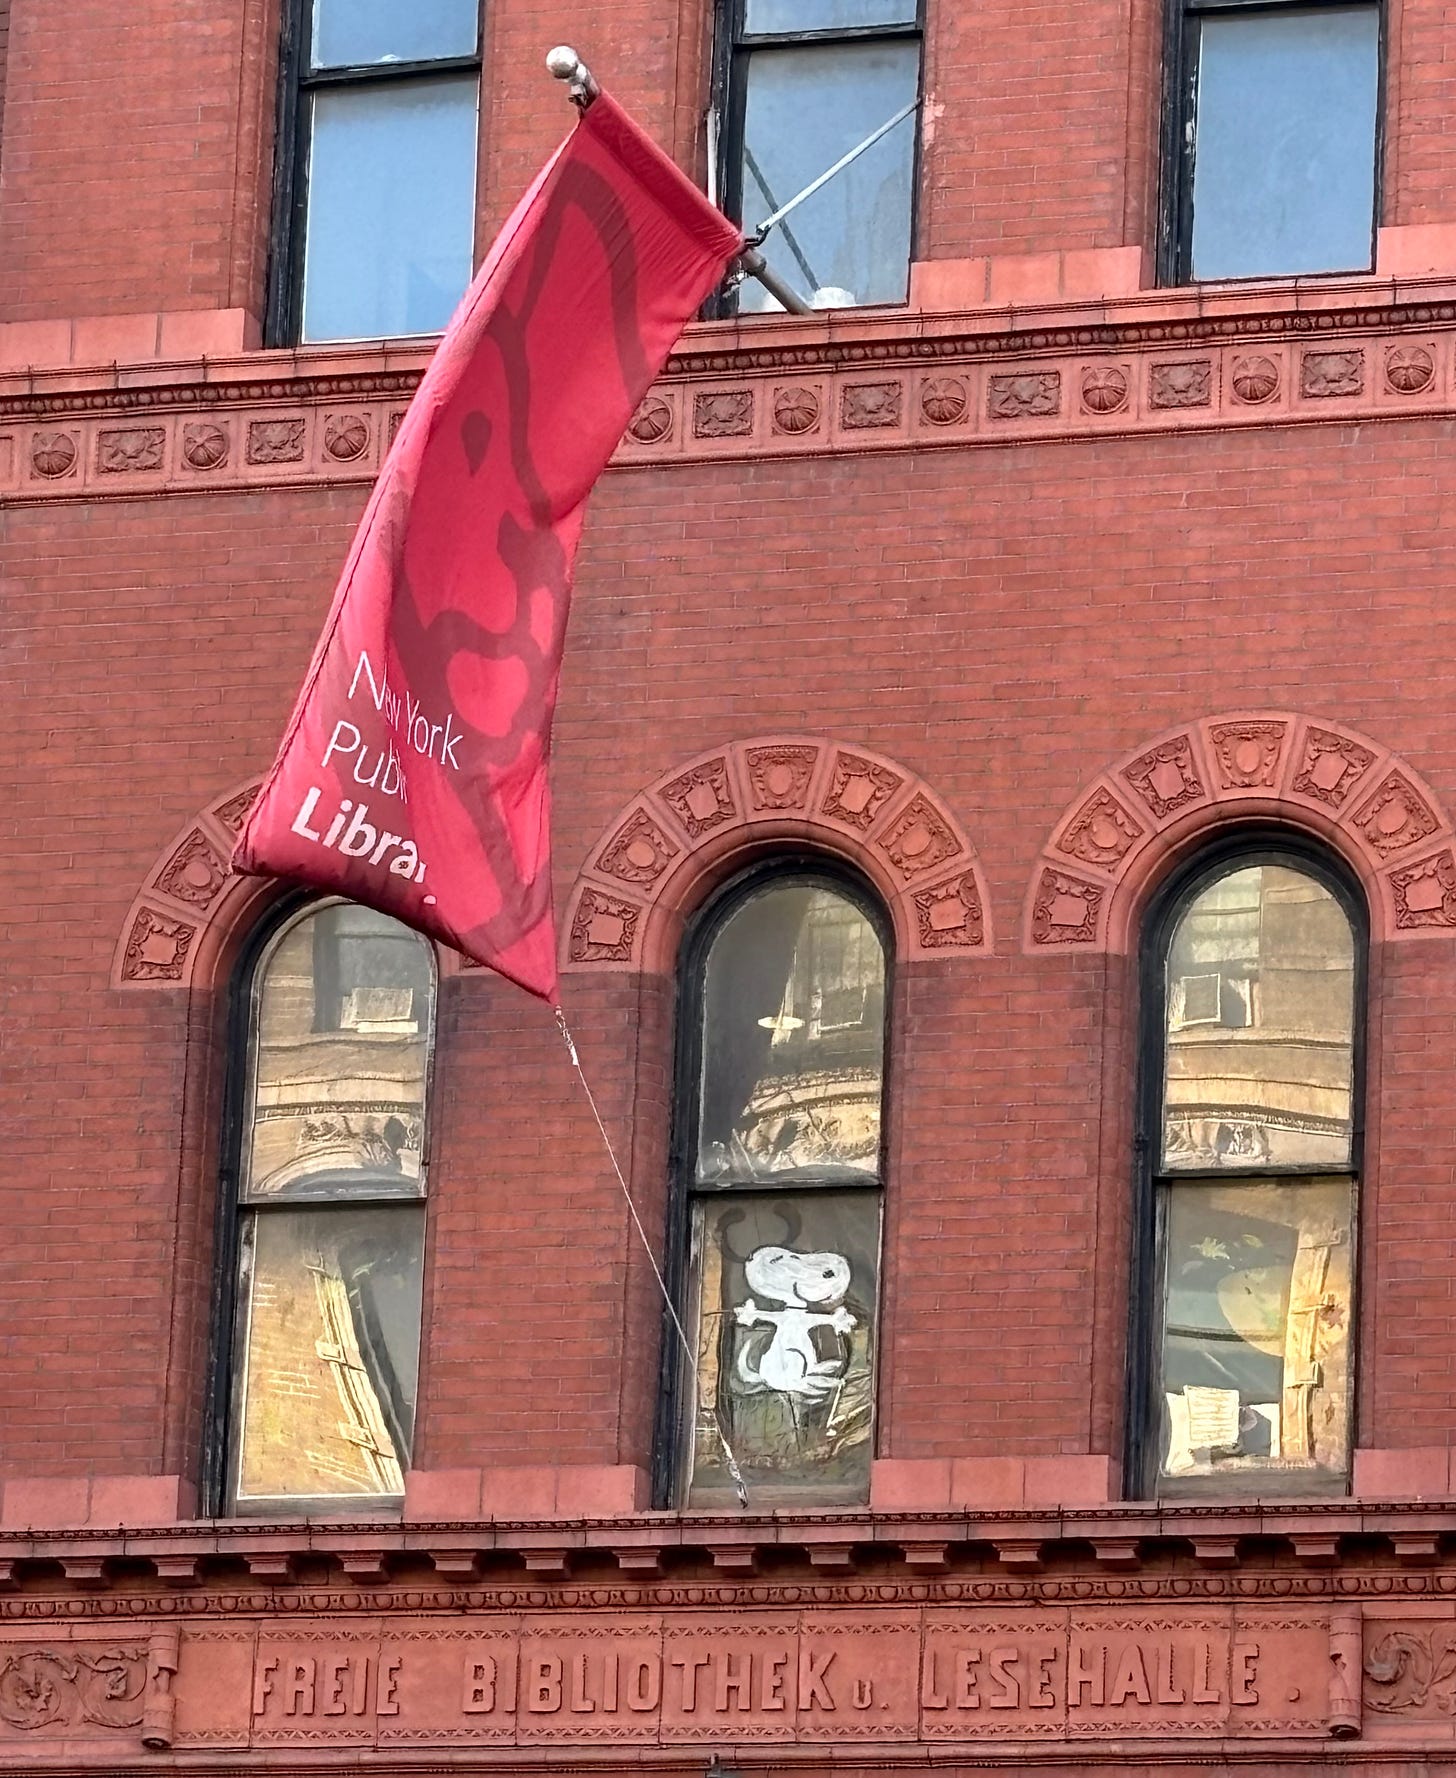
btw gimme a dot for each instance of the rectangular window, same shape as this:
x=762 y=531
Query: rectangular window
x=1274 y=139
x=806 y=85
x=376 y=180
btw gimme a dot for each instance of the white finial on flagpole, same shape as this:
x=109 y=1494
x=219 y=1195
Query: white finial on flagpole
x=565 y=64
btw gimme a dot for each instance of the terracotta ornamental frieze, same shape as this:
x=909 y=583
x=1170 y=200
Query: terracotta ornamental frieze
x=881 y=382
x=663 y=1679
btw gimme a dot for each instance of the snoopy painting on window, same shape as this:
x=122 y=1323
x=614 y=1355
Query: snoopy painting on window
x=805 y=1292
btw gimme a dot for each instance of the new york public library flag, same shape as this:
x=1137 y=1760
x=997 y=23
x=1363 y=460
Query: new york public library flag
x=413 y=773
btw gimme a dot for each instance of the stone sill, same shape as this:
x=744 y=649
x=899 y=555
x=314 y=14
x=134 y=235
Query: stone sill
x=1024 y=294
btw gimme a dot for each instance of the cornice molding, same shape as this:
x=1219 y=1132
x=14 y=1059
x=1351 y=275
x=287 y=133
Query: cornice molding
x=1166 y=361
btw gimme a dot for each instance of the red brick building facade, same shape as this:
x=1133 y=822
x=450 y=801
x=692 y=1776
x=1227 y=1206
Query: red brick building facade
x=1070 y=639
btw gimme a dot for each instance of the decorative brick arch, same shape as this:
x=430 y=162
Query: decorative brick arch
x=705 y=818
x=1161 y=800
x=191 y=897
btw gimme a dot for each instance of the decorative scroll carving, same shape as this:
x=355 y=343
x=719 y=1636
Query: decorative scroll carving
x=1024 y=395
x=194 y=873
x=639 y=852
x=858 y=789
x=1395 y=817
x=1246 y=754
x=233 y=811
x=918 y=839
x=1101 y=833
x=130 y=449
x=725 y=414
x=866 y=405
x=1330 y=766
x=701 y=798
x=1325 y=374
x=68 y=1685
x=1185 y=384
x=1065 y=910
x=156 y=950
x=1425 y=893
x=604 y=928
x=1412 y=1670
x=949 y=913
x=276 y=441
x=778 y=777
x=1165 y=777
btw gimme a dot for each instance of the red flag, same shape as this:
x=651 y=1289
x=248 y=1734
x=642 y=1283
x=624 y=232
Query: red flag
x=412 y=776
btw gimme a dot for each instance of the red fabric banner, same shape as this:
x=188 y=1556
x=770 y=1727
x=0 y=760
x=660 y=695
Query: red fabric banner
x=412 y=776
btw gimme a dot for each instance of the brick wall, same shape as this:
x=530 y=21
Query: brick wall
x=1005 y=622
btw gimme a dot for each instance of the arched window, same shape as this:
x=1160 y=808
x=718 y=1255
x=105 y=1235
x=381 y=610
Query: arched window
x=779 y=1143
x=325 y=1247
x=1254 y=1005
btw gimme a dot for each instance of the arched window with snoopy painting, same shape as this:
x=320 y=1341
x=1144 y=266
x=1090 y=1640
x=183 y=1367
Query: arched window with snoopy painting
x=778 y=1160
x=322 y=1249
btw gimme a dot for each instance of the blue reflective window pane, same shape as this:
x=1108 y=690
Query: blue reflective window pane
x=824 y=15
x=1284 y=168
x=850 y=242
x=354 y=33
x=391 y=201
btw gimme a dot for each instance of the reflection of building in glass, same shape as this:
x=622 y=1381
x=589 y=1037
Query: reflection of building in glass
x=1260 y=976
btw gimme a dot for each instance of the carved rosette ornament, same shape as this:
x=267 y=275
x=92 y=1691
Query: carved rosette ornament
x=917 y=840
x=1104 y=389
x=1409 y=370
x=652 y=422
x=1255 y=379
x=194 y=874
x=53 y=454
x=795 y=411
x=204 y=445
x=346 y=437
x=944 y=400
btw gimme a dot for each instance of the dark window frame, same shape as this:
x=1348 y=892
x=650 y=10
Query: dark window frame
x=283 y=314
x=1178 y=148
x=683 y=1190
x=219 y=1426
x=1245 y=845
x=733 y=49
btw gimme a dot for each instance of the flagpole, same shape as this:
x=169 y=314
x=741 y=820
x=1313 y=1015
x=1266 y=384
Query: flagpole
x=563 y=63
